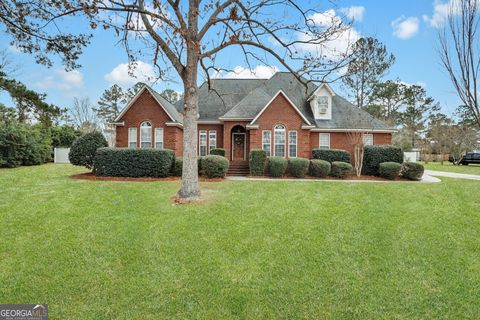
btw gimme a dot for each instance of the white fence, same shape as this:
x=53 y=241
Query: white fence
x=60 y=155
x=411 y=156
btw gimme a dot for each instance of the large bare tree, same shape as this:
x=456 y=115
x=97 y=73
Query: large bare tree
x=186 y=36
x=460 y=52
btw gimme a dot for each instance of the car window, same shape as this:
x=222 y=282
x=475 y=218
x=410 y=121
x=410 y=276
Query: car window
x=476 y=156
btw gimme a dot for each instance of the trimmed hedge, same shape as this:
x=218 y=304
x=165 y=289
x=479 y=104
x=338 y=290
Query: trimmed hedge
x=214 y=166
x=277 y=166
x=218 y=152
x=83 y=150
x=298 y=167
x=177 y=167
x=389 y=170
x=341 y=169
x=412 y=171
x=376 y=154
x=331 y=155
x=125 y=162
x=319 y=168
x=257 y=160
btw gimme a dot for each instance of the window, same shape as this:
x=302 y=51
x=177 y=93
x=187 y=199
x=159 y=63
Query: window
x=368 y=139
x=212 y=140
x=267 y=142
x=145 y=135
x=279 y=141
x=292 y=144
x=322 y=104
x=132 y=137
x=203 y=143
x=324 y=140
x=159 y=138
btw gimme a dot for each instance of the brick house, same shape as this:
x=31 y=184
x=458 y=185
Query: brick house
x=278 y=115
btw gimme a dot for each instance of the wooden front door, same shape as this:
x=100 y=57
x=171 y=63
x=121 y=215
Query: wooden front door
x=238 y=146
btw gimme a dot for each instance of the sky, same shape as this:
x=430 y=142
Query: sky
x=408 y=28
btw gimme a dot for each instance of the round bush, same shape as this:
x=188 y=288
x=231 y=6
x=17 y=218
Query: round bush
x=214 y=166
x=376 y=154
x=257 y=160
x=389 y=170
x=218 y=152
x=298 y=167
x=319 y=168
x=341 y=169
x=277 y=166
x=82 y=152
x=412 y=170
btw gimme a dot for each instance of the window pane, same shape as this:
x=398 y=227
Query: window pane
x=368 y=139
x=266 y=142
x=323 y=101
x=203 y=143
x=132 y=137
x=159 y=138
x=145 y=135
x=292 y=144
x=212 y=140
x=324 y=140
x=279 y=141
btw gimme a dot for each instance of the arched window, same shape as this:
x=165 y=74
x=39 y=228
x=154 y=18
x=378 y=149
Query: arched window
x=279 y=140
x=145 y=135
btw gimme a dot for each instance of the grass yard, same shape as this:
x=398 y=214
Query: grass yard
x=254 y=250
x=449 y=167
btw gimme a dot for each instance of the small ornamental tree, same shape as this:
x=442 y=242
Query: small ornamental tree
x=83 y=150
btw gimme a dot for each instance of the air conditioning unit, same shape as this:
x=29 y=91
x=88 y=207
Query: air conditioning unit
x=322 y=110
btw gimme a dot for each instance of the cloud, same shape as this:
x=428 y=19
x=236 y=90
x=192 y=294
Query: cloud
x=354 y=13
x=65 y=81
x=125 y=77
x=339 y=43
x=405 y=28
x=239 y=72
x=441 y=10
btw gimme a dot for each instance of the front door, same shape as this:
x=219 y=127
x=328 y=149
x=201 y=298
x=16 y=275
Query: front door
x=238 y=146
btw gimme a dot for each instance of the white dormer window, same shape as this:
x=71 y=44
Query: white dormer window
x=322 y=104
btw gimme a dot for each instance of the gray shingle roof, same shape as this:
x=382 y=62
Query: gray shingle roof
x=245 y=98
x=170 y=108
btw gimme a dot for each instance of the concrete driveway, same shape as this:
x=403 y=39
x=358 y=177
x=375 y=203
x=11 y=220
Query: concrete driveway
x=452 y=175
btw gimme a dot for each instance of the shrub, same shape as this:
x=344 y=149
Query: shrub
x=177 y=167
x=376 y=154
x=82 y=152
x=341 y=169
x=214 y=166
x=257 y=160
x=218 y=152
x=37 y=148
x=331 y=155
x=298 y=167
x=389 y=170
x=12 y=140
x=64 y=136
x=319 y=168
x=277 y=166
x=412 y=171
x=124 y=162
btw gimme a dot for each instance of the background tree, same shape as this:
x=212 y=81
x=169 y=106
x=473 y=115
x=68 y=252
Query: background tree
x=132 y=91
x=386 y=101
x=110 y=103
x=83 y=116
x=460 y=53
x=171 y=95
x=368 y=63
x=187 y=37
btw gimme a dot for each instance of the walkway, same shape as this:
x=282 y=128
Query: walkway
x=452 y=175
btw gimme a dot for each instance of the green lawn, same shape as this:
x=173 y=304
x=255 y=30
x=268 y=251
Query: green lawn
x=449 y=167
x=253 y=250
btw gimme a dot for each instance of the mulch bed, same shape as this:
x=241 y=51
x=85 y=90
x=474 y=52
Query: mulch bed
x=91 y=176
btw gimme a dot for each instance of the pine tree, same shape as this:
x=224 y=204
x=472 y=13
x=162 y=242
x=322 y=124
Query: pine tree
x=171 y=95
x=110 y=104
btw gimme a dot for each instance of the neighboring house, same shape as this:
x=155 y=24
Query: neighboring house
x=279 y=115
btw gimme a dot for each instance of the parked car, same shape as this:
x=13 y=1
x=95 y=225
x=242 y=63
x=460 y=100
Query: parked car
x=469 y=158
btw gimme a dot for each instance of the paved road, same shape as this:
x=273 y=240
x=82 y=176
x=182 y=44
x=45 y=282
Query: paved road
x=452 y=175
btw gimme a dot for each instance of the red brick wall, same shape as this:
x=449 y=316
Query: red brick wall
x=341 y=140
x=208 y=127
x=280 y=111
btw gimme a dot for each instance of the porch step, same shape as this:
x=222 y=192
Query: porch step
x=238 y=168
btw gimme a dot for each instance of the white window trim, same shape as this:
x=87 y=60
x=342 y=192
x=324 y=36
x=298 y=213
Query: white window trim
x=210 y=146
x=326 y=134
x=269 y=141
x=151 y=135
x=296 y=143
x=285 y=140
x=200 y=133
x=157 y=138
x=365 y=135
x=130 y=138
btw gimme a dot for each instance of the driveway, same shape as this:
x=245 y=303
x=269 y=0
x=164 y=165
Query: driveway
x=452 y=175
